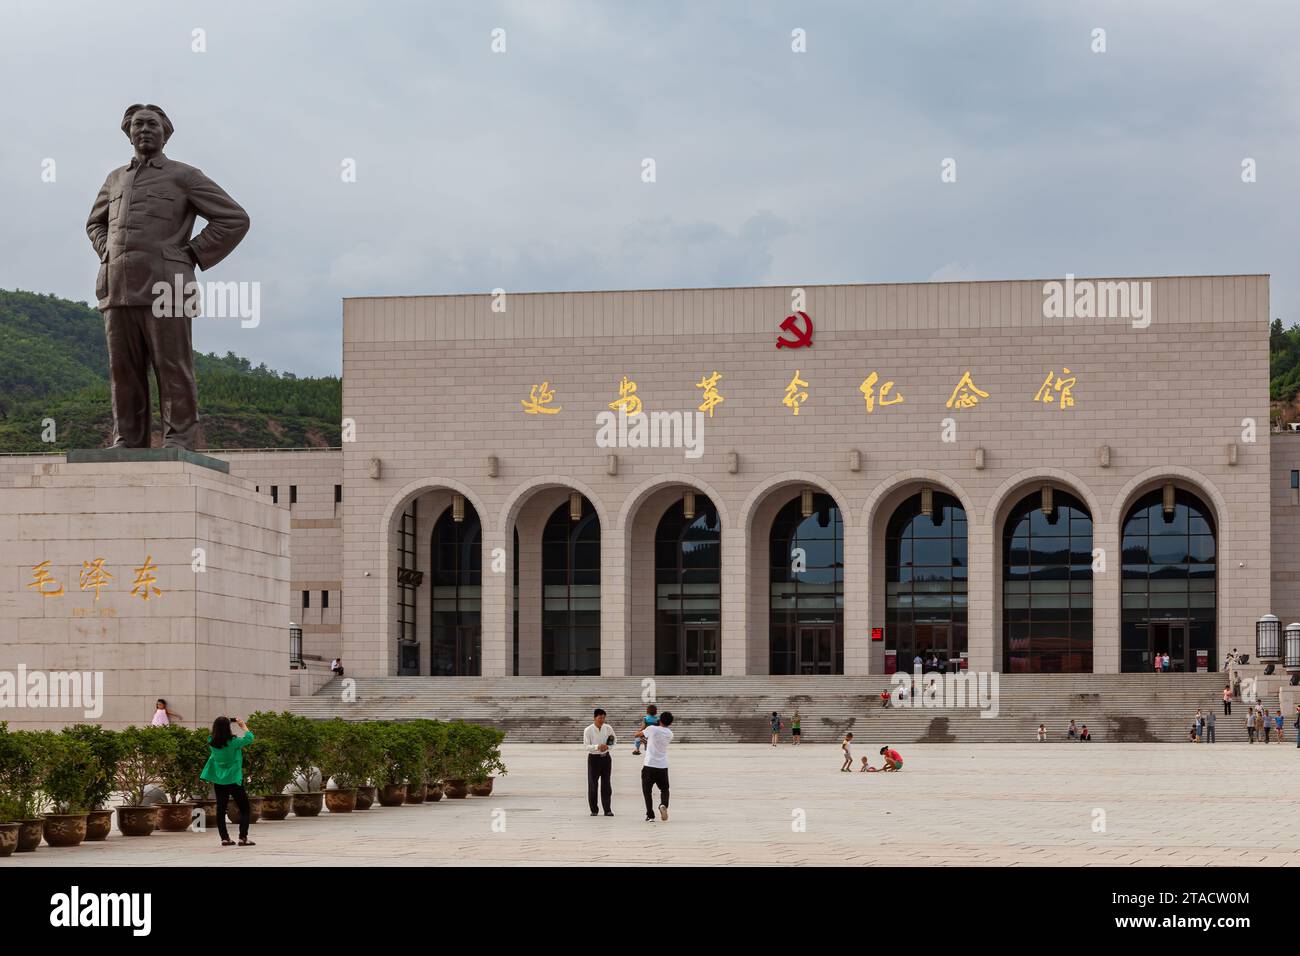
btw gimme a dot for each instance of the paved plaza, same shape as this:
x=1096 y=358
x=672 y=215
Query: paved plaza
x=989 y=805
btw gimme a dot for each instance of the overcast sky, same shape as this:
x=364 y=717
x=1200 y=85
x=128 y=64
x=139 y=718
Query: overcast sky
x=522 y=169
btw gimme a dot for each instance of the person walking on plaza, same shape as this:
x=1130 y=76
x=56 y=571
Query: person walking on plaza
x=1266 y=724
x=1209 y=726
x=1278 y=725
x=649 y=720
x=1227 y=701
x=654 y=771
x=846 y=745
x=776 y=728
x=1250 y=726
x=598 y=738
x=796 y=731
x=162 y=714
x=225 y=771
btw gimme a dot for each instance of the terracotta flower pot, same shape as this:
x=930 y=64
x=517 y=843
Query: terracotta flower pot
x=137 y=821
x=8 y=838
x=65 y=829
x=276 y=806
x=432 y=792
x=415 y=793
x=455 y=789
x=175 y=817
x=308 y=804
x=29 y=835
x=392 y=795
x=341 y=801
x=482 y=788
x=365 y=797
x=254 y=810
x=99 y=823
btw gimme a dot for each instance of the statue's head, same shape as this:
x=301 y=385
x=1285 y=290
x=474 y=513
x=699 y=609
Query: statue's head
x=147 y=127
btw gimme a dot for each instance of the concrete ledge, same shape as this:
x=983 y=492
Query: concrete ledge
x=81 y=456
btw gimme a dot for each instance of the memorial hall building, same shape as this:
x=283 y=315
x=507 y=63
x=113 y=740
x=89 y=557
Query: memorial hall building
x=1047 y=476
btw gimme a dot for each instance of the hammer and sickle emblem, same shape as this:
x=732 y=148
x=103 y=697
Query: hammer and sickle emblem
x=801 y=337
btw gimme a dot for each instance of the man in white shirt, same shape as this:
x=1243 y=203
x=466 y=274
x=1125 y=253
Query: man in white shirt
x=655 y=769
x=599 y=741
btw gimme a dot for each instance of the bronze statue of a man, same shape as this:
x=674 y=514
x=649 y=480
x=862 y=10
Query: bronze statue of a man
x=141 y=227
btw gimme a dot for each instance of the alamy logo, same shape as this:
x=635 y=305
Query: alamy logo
x=53 y=689
x=1088 y=299
x=216 y=300
x=965 y=689
x=103 y=909
x=651 y=430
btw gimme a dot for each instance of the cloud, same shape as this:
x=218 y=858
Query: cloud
x=522 y=170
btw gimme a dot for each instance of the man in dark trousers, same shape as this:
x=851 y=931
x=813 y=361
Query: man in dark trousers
x=140 y=228
x=654 y=772
x=599 y=741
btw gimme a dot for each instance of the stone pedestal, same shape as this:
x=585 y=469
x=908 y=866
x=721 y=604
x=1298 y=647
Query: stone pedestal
x=159 y=577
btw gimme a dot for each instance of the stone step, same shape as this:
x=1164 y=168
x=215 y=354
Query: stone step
x=1116 y=707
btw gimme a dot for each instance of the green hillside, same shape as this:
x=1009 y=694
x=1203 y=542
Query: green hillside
x=53 y=365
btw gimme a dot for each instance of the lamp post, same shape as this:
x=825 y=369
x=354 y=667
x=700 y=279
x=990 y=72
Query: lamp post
x=1268 y=636
x=295 y=645
x=1291 y=653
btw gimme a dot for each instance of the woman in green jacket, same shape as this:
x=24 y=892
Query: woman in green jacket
x=225 y=771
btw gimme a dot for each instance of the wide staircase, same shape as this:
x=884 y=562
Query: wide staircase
x=1116 y=707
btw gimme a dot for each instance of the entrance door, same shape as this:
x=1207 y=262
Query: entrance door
x=699 y=650
x=933 y=637
x=816 y=650
x=1168 y=637
x=467 y=647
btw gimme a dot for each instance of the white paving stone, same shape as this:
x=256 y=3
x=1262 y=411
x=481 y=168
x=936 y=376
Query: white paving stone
x=1024 y=804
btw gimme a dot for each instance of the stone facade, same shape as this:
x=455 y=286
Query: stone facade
x=434 y=386
x=190 y=607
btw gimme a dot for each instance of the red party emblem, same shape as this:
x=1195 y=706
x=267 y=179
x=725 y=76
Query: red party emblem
x=801 y=336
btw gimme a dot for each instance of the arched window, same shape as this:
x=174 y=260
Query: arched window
x=1047 y=585
x=457 y=578
x=806 y=603
x=925 y=582
x=571 y=592
x=1170 y=564
x=688 y=590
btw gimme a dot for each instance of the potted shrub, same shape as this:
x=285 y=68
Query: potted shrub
x=107 y=748
x=187 y=752
x=19 y=782
x=433 y=735
x=488 y=749
x=349 y=756
x=145 y=751
x=301 y=740
x=269 y=764
x=372 y=748
x=462 y=759
x=71 y=771
x=22 y=770
x=401 y=760
x=8 y=825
